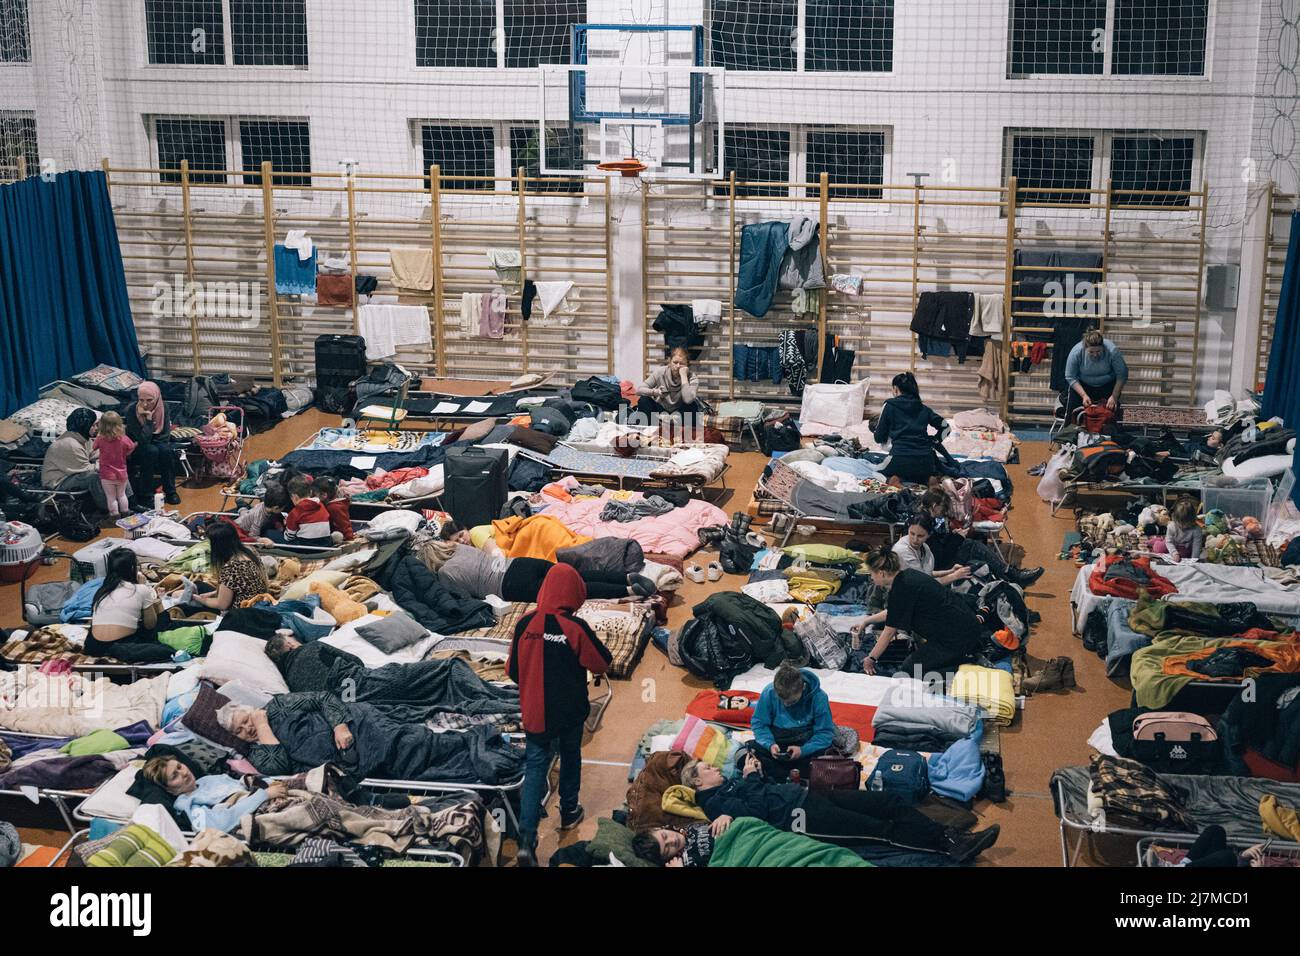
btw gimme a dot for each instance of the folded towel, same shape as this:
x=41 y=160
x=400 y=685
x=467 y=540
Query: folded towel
x=412 y=269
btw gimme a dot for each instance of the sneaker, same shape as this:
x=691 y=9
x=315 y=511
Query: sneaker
x=964 y=847
x=570 y=820
x=172 y=498
x=695 y=573
x=1024 y=576
x=715 y=571
x=1067 y=672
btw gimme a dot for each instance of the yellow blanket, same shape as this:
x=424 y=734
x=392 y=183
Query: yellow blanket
x=539 y=536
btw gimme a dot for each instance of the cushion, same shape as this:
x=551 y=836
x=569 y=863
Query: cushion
x=533 y=440
x=300 y=588
x=394 y=632
x=406 y=520
x=479 y=430
x=201 y=718
x=615 y=838
x=235 y=656
x=111 y=800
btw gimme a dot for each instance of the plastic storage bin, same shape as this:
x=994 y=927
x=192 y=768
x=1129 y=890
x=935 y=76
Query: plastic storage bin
x=1252 y=499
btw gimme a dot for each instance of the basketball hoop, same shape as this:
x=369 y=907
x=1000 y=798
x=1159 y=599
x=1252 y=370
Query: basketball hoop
x=625 y=167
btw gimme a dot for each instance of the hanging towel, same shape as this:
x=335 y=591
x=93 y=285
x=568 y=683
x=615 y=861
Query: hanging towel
x=806 y=302
x=507 y=264
x=849 y=283
x=301 y=243
x=412 y=269
x=334 y=290
x=385 y=327
x=991 y=375
x=294 y=276
x=706 y=311
x=335 y=265
x=471 y=312
x=987 y=319
x=558 y=299
x=492 y=324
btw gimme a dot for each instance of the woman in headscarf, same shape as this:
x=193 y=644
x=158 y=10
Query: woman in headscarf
x=148 y=425
x=71 y=461
x=550 y=656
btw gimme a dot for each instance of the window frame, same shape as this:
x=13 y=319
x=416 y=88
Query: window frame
x=33 y=167
x=234 y=146
x=228 y=40
x=499 y=42
x=503 y=161
x=26 y=26
x=1102 y=160
x=797 y=163
x=1108 y=55
x=801 y=47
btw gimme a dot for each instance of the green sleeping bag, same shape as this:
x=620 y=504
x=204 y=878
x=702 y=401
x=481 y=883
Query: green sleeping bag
x=752 y=842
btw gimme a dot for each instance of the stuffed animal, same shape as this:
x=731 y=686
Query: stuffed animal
x=1157 y=545
x=337 y=604
x=1216 y=522
x=1253 y=529
x=221 y=426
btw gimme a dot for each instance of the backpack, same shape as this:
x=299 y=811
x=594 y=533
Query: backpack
x=200 y=396
x=598 y=392
x=779 y=434
x=1171 y=741
x=73 y=526
x=822 y=643
x=902 y=772
x=1103 y=461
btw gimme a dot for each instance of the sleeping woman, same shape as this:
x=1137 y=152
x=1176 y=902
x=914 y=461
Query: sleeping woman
x=216 y=802
x=298 y=732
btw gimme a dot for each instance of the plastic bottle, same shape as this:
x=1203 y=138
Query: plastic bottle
x=794 y=777
x=158 y=500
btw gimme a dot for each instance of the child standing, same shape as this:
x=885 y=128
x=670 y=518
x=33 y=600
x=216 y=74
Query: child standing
x=114 y=449
x=1184 y=537
x=327 y=490
x=308 y=523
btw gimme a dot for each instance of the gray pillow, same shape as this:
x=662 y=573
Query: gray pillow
x=393 y=633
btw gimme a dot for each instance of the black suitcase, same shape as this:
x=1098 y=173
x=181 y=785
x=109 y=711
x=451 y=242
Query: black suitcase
x=340 y=361
x=475 y=488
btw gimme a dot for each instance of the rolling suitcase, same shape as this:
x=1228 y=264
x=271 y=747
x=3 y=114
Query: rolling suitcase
x=475 y=489
x=340 y=361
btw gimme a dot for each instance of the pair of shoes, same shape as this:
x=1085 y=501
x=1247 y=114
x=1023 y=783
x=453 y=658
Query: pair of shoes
x=995 y=780
x=641 y=585
x=964 y=847
x=570 y=820
x=1024 y=576
x=1057 y=674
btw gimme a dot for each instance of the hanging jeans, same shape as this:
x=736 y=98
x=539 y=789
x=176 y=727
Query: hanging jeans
x=537 y=762
x=753 y=363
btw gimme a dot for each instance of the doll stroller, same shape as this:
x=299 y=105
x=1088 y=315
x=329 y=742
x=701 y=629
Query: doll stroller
x=222 y=442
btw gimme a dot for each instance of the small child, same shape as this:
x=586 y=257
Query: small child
x=1184 y=537
x=327 y=490
x=114 y=449
x=253 y=524
x=309 y=522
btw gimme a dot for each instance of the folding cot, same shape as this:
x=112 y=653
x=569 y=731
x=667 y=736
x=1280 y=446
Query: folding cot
x=786 y=487
x=1168 y=848
x=60 y=798
x=642 y=470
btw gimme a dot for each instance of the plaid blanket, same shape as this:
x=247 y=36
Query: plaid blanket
x=45 y=645
x=1131 y=791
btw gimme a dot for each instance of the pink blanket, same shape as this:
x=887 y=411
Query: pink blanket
x=673 y=533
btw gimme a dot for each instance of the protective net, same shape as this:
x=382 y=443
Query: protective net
x=1145 y=132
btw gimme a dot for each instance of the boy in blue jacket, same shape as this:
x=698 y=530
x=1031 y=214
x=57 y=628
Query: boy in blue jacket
x=792 y=722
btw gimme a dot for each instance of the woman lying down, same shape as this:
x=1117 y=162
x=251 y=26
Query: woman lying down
x=298 y=732
x=211 y=802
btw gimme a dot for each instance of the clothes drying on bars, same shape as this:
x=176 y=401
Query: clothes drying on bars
x=386 y=327
x=774 y=255
x=508 y=265
x=797 y=349
x=294 y=275
x=558 y=301
x=492 y=320
x=706 y=311
x=301 y=243
x=412 y=269
x=837 y=361
x=944 y=317
x=676 y=323
x=753 y=363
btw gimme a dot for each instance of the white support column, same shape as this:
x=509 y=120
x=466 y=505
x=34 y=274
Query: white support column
x=1254 y=250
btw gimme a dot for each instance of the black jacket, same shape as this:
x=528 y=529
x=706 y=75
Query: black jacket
x=905 y=421
x=316 y=667
x=419 y=592
x=753 y=796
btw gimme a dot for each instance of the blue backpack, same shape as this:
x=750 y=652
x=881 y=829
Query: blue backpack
x=903 y=772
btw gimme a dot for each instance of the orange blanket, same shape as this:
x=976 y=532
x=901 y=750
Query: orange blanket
x=538 y=536
x=1285 y=656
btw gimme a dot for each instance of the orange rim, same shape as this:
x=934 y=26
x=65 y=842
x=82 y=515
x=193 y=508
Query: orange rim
x=626 y=167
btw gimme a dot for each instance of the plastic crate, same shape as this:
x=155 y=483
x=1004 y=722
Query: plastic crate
x=1252 y=499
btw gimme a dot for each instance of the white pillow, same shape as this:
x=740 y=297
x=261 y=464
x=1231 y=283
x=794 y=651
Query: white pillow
x=299 y=589
x=238 y=657
x=238 y=692
x=352 y=560
x=1265 y=466
x=183 y=681
x=406 y=520
x=111 y=801
x=347 y=639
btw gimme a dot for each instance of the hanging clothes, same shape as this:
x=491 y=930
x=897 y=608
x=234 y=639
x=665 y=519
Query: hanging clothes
x=386 y=327
x=301 y=243
x=992 y=375
x=508 y=265
x=471 y=312
x=801 y=263
x=987 y=320
x=706 y=311
x=412 y=269
x=676 y=323
x=753 y=363
x=762 y=248
x=492 y=323
x=793 y=365
x=293 y=275
x=850 y=283
x=334 y=290
x=837 y=361
x=559 y=302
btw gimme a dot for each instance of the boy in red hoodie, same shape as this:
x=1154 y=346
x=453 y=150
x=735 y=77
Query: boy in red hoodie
x=550 y=656
x=308 y=523
x=327 y=490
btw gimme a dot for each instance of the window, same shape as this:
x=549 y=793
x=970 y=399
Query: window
x=207 y=142
x=269 y=33
x=1052 y=163
x=463 y=33
x=1160 y=37
x=185 y=32
x=17 y=144
x=1151 y=163
x=455 y=33
x=564 y=149
x=460 y=151
x=852 y=36
x=756 y=156
x=537 y=31
x=1108 y=37
x=285 y=143
x=1059 y=168
x=753 y=34
x=197 y=32
x=851 y=157
x=15 y=35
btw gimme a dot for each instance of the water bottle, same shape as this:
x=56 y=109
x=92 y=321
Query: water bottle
x=794 y=777
x=158 y=500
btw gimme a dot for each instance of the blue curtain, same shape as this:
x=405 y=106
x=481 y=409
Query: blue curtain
x=1282 y=385
x=63 y=299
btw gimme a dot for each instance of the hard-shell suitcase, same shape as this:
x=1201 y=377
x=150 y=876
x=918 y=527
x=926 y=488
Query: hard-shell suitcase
x=340 y=361
x=475 y=490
